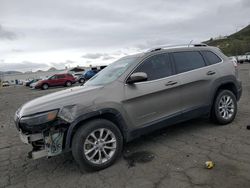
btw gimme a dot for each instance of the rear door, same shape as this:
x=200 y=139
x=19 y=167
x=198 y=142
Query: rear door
x=197 y=77
x=157 y=98
x=61 y=79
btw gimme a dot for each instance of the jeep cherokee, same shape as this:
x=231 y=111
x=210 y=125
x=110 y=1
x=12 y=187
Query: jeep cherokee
x=132 y=96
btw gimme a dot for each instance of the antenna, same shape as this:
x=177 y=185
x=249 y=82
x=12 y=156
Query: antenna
x=190 y=43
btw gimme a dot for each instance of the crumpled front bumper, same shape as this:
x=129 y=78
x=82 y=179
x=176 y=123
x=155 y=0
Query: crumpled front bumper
x=46 y=141
x=28 y=139
x=44 y=144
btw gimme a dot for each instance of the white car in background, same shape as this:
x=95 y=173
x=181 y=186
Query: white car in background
x=243 y=58
x=5 y=84
x=33 y=85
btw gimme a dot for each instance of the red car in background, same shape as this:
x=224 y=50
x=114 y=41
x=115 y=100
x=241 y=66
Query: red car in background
x=56 y=80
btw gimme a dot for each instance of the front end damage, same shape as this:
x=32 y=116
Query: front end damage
x=47 y=144
x=47 y=137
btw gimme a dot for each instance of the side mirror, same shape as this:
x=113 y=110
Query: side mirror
x=137 y=77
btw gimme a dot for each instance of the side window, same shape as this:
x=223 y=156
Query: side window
x=156 y=67
x=211 y=57
x=186 y=61
x=53 y=77
x=60 y=76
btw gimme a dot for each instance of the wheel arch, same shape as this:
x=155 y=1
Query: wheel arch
x=226 y=84
x=109 y=114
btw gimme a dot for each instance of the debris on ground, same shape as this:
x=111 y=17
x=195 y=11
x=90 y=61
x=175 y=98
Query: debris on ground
x=209 y=164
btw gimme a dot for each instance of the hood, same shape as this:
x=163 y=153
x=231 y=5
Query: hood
x=81 y=95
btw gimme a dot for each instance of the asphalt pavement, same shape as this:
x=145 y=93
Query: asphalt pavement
x=173 y=157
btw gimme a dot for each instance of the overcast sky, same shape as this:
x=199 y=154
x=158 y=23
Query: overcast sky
x=39 y=34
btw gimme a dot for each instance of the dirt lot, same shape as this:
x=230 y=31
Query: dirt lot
x=173 y=157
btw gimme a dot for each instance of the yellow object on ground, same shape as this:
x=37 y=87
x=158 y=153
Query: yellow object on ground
x=209 y=164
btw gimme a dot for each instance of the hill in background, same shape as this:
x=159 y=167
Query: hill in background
x=235 y=44
x=10 y=72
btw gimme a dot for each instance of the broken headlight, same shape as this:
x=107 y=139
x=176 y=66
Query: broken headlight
x=40 y=118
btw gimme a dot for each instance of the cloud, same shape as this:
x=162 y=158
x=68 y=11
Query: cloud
x=7 y=35
x=98 y=28
x=245 y=3
x=95 y=55
x=23 y=66
x=17 y=50
x=108 y=57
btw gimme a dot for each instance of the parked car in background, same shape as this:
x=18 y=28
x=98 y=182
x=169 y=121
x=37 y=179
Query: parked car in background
x=87 y=75
x=33 y=85
x=132 y=96
x=5 y=84
x=243 y=58
x=28 y=82
x=56 y=80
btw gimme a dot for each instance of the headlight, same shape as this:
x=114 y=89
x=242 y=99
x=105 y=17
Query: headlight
x=39 y=119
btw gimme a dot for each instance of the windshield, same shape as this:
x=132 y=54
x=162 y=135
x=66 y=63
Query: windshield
x=111 y=72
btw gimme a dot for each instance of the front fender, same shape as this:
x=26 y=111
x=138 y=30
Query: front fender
x=75 y=123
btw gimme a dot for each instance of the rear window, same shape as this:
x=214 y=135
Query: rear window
x=211 y=57
x=187 y=61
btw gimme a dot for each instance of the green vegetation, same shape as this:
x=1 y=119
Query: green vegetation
x=235 y=44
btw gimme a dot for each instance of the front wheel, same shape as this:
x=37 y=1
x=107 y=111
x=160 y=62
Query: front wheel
x=97 y=144
x=45 y=86
x=68 y=84
x=225 y=107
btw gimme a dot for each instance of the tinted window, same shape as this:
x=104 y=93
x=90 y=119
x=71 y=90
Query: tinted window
x=186 y=61
x=156 y=67
x=211 y=57
x=53 y=77
x=60 y=76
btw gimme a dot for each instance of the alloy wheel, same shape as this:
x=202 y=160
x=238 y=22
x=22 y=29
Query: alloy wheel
x=100 y=146
x=226 y=107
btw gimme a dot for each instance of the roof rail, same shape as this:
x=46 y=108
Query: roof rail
x=175 y=46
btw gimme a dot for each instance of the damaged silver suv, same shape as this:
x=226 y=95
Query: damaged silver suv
x=133 y=96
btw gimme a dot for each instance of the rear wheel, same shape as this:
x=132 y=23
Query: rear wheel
x=45 y=86
x=97 y=144
x=81 y=80
x=225 y=107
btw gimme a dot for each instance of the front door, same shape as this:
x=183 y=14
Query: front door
x=158 y=97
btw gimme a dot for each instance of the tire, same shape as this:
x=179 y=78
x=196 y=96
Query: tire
x=45 y=86
x=83 y=150
x=68 y=84
x=224 y=108
x=81 y=80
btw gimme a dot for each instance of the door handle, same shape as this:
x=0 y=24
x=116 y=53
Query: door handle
x=171 y=83
x=210 y=72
